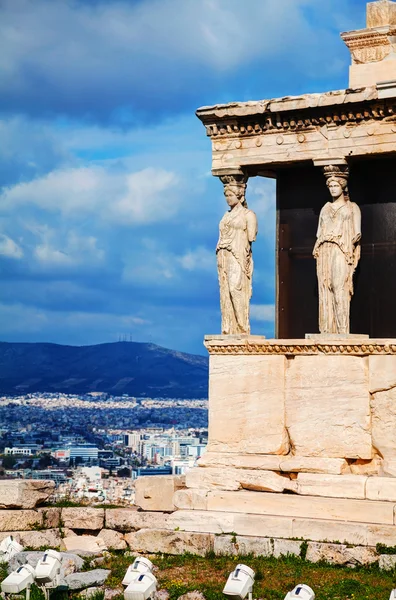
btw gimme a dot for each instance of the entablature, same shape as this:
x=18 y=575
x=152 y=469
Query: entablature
x=298 y=112
x=303 y=128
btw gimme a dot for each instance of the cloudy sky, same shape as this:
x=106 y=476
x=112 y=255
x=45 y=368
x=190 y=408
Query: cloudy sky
x=108 y=211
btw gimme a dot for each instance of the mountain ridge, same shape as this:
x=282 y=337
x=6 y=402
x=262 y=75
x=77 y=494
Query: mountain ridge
x=134 y=368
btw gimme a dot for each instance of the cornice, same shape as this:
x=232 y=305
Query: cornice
x=370 y=45
x=368 y=37
x=302 y=120
x=327 y=100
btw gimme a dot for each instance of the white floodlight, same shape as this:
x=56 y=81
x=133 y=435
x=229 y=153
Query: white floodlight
x=8 y=547
x=140 y=565
x=240 y=583
x=47 y=572
x=141 y=588
x=18 y=580
x=301 y=592
x=392 y=595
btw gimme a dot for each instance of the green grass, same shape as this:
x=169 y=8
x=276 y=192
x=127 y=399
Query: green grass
x=3 y=571
x=274 y=577
x=382 y=549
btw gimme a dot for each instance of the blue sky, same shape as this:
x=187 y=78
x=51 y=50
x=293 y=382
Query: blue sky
x=108 y=210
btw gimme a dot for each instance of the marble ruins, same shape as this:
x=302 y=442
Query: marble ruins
x=302 y=428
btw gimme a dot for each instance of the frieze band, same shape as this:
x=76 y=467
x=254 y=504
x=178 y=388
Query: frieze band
x=310 y=348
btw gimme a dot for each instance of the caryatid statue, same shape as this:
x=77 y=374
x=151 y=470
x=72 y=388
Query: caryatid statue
x=337 y=253
x=238 y=229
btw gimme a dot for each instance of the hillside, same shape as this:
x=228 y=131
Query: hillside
x=132 y=368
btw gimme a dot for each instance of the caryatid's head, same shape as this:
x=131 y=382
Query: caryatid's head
x=234 y=189
x=337 y=181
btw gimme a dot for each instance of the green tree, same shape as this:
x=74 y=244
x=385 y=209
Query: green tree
x=9 y=461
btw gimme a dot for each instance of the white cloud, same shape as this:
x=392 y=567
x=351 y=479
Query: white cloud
x=129 y=50
x=200 y=259
x=160 y=267
x=263 y=312
x=75 y=250
x=155 y=268
x=10 y=248
x=215 y=35
x=137 y=321
x=146 y=199
x=147 y=196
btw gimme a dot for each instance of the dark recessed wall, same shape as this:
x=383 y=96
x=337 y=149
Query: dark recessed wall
x=301 y=193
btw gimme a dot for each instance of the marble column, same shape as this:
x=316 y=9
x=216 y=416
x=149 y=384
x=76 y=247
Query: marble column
x=337 y=252
x=238 y=230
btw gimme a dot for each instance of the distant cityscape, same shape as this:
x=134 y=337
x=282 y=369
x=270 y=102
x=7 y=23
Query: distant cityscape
x=95 y=445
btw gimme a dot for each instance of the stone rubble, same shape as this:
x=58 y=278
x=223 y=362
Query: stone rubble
x=195 y=595
x=88 y=543
x=70 y=563
x=79 y=581
x=156 y=493
x=26 y=493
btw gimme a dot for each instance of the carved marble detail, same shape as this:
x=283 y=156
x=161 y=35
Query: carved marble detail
x=373 y=50
x=369 y=46
x=298 y=347
x=381 y=14
x=238 y=230
x=289 y=121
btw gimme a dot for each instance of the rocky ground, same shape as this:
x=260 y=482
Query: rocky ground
x=98 y=576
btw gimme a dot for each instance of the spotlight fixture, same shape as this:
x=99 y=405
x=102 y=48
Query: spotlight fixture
x=140 y=565
x=142 y=587
x=240 y=583
x=8 y=547
x=47 y=572
x=19 y=580
x=301 y=592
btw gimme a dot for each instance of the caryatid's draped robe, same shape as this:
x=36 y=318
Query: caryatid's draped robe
x=337 y=252
x=238 y=229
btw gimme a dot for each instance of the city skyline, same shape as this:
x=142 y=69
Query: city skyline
x=108 y=210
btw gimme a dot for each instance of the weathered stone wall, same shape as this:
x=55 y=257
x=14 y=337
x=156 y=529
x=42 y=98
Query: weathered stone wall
x=225 y=530
x=199 y=533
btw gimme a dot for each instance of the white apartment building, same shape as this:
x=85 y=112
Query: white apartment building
x=132 y=440
x=28 y=450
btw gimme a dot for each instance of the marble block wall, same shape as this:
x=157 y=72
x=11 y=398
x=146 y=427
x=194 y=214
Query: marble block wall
x=301 y=399
x=247 y=404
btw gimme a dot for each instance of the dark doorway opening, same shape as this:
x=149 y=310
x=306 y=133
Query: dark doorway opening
x=301 y=193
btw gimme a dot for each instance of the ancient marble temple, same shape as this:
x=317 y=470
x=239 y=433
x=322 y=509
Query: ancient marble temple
x=296 y=140
x=302 y=428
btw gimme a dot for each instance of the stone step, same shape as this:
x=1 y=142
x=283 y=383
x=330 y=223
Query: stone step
x=231 y=479
x=272 y=526
x=268 y=462
x=338 y=509
x=358 y=487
